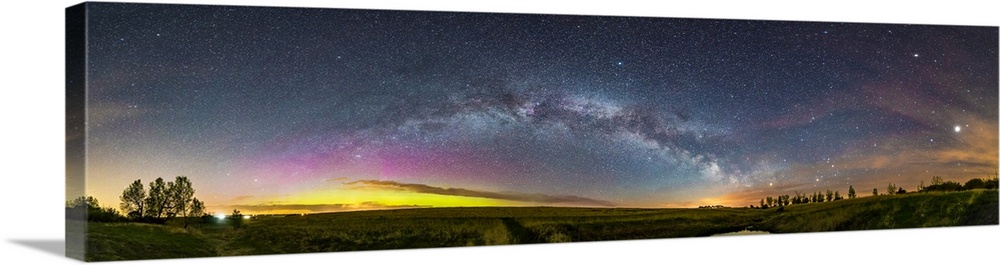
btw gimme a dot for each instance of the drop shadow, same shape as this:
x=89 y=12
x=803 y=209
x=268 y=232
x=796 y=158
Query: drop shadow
x=52 y=246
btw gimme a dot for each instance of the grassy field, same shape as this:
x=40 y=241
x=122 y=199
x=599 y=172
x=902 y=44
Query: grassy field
x=443 y=227
x=474 y=226
x=125 y=241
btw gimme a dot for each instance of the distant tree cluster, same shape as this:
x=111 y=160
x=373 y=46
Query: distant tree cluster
x=800 y=198
x=712 y=207
x=87 y=208
x=938 y=184
x=163 y=200
x=892 y=189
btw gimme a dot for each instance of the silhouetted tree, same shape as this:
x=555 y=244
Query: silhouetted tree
x=992 y=182
x=836 y=196
x=156 y=200
x=975 y=184
x=83 y=202
x=133 y=199
x=197 y=210
x=937 y=180
x=236 y=219
x=891 y=189
x=875 y=192
x=945 y=186
x=900 y=191
x=179 y=195
x=829 y=195
x=87 y=208
x=851 y=194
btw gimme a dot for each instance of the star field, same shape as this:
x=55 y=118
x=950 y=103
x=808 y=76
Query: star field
x=293 y=106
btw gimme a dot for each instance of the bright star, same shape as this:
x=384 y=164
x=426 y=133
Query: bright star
x=958 y=128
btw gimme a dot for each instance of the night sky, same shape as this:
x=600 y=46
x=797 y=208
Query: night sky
x=277 y=110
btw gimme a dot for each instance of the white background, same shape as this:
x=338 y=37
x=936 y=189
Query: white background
x=32 y=137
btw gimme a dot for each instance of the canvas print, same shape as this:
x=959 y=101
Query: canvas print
x=200 y=130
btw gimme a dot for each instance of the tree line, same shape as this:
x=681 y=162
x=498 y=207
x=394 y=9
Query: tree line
x=938 y=184
x=87 y=208
x=162 y=201
x=803 y=198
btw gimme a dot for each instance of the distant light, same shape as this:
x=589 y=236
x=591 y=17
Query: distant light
x=246 y=217
x=958 y=128
x=220 y=216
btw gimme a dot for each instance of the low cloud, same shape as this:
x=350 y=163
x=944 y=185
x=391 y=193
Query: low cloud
x=242 y=198
x=337 y=179
x=510 y=196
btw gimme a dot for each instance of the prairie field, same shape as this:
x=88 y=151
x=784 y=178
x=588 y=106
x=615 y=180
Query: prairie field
x=478 y=226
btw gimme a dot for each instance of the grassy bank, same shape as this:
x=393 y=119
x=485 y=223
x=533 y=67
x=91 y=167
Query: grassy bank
x=912 y=210
x=126 y=241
